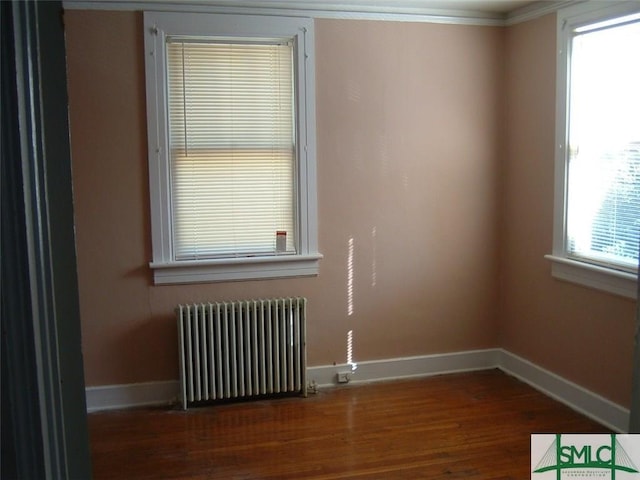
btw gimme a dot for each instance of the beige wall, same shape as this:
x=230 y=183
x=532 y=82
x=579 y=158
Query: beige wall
x=581 y=334
x=408 y=141
x=435 y=155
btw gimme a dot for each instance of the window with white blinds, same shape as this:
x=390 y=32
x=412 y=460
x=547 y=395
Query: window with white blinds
x=232 y=144
x=603 y=191
x=231 y=139
x=596 y=235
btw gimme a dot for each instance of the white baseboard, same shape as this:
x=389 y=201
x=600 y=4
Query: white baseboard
x=111 y=397
x=576 y=397
x=407 y=367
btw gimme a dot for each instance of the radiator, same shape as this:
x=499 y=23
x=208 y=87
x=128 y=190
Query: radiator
x=241 y=349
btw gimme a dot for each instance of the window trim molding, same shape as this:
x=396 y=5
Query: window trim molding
x=563 y=267
x=159 y=25
x=594 y=276
x=241 y=268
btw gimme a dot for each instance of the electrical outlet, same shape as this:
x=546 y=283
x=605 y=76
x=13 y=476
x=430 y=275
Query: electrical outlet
x=343 y=377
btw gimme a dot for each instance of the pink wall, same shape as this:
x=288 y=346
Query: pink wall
x=581 y=334
x=407 y=160
x=408 y=156
x=435 y=155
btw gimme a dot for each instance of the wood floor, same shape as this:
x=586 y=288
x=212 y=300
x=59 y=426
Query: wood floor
x=473 y=426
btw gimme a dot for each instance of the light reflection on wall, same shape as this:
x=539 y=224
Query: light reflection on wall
x=374 y=274
x=350 y=305
x=350 y=278
x=350 y=361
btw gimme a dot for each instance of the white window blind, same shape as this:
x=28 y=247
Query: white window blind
x=603 y=188
x=232 y=148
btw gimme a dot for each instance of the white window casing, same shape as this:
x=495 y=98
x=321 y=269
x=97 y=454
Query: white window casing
x=298 y=255
x=570 y=263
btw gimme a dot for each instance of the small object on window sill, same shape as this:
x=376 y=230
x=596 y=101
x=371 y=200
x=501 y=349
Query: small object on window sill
x=281 y=241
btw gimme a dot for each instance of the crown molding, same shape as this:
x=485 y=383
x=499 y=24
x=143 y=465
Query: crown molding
x=535 y=10
x=404 y=11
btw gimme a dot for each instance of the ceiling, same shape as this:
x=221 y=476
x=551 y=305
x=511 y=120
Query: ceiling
x=481 y=12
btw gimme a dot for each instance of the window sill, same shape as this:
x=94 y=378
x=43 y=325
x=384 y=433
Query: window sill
x=233 y=269
x=600 y=278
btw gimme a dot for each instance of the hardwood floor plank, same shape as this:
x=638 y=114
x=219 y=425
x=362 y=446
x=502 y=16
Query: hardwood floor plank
x=474 y=425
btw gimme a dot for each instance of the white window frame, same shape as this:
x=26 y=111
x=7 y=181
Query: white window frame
x=159 y=25
x=599 y=277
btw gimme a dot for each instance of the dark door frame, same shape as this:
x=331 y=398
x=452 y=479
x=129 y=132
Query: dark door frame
x=44 y=420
